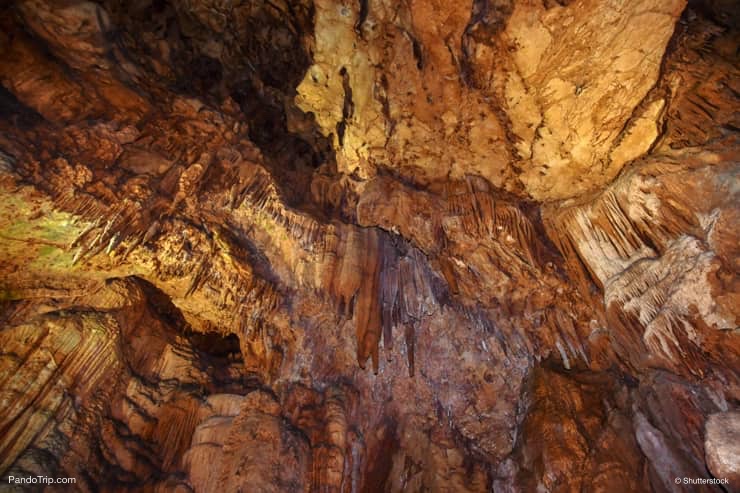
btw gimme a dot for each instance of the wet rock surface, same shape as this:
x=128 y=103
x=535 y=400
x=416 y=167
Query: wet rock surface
x=371 y=246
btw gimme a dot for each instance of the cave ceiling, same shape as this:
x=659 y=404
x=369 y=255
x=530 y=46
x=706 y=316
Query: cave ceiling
x=384 y=245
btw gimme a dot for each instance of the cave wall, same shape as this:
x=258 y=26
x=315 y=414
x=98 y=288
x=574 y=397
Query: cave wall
x=372 y=246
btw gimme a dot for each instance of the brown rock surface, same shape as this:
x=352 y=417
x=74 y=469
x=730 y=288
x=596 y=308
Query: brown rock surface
x=316 y=245
x=721 y=445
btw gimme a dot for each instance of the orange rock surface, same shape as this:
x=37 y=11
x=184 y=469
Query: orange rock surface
x=314 y=245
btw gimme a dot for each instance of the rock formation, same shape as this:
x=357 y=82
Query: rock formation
x=316 y=245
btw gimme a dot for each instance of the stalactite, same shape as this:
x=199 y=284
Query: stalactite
x=151 y=232
x=410 y=336
x=388 y=293
x=240 y=262
x=368 y=303
x=568 y=341
x=485 y=217
x=176 y=431
x=199 y=275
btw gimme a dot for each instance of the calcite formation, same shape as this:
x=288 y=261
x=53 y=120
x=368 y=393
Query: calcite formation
x=316 y=245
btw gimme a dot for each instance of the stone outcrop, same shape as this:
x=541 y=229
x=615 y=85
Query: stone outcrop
x=722 y=457
x=370 y=246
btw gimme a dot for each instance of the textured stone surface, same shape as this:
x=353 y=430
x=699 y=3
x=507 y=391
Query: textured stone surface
x=370 y=246
x=722 y=452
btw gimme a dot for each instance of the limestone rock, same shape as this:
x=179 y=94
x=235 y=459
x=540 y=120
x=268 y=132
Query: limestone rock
x=318 y=245
x=723 y=456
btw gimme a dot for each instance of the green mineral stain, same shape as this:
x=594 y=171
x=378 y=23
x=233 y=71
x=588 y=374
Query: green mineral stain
x=47 y=250
x=40 y=237
x=50 y=226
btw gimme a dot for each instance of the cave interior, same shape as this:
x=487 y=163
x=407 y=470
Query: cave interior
x=372 y=246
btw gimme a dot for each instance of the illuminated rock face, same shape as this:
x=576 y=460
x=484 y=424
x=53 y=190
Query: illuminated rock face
x=370 y=246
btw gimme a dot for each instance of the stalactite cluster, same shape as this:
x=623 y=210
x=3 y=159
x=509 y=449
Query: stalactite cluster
x=312 y=245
